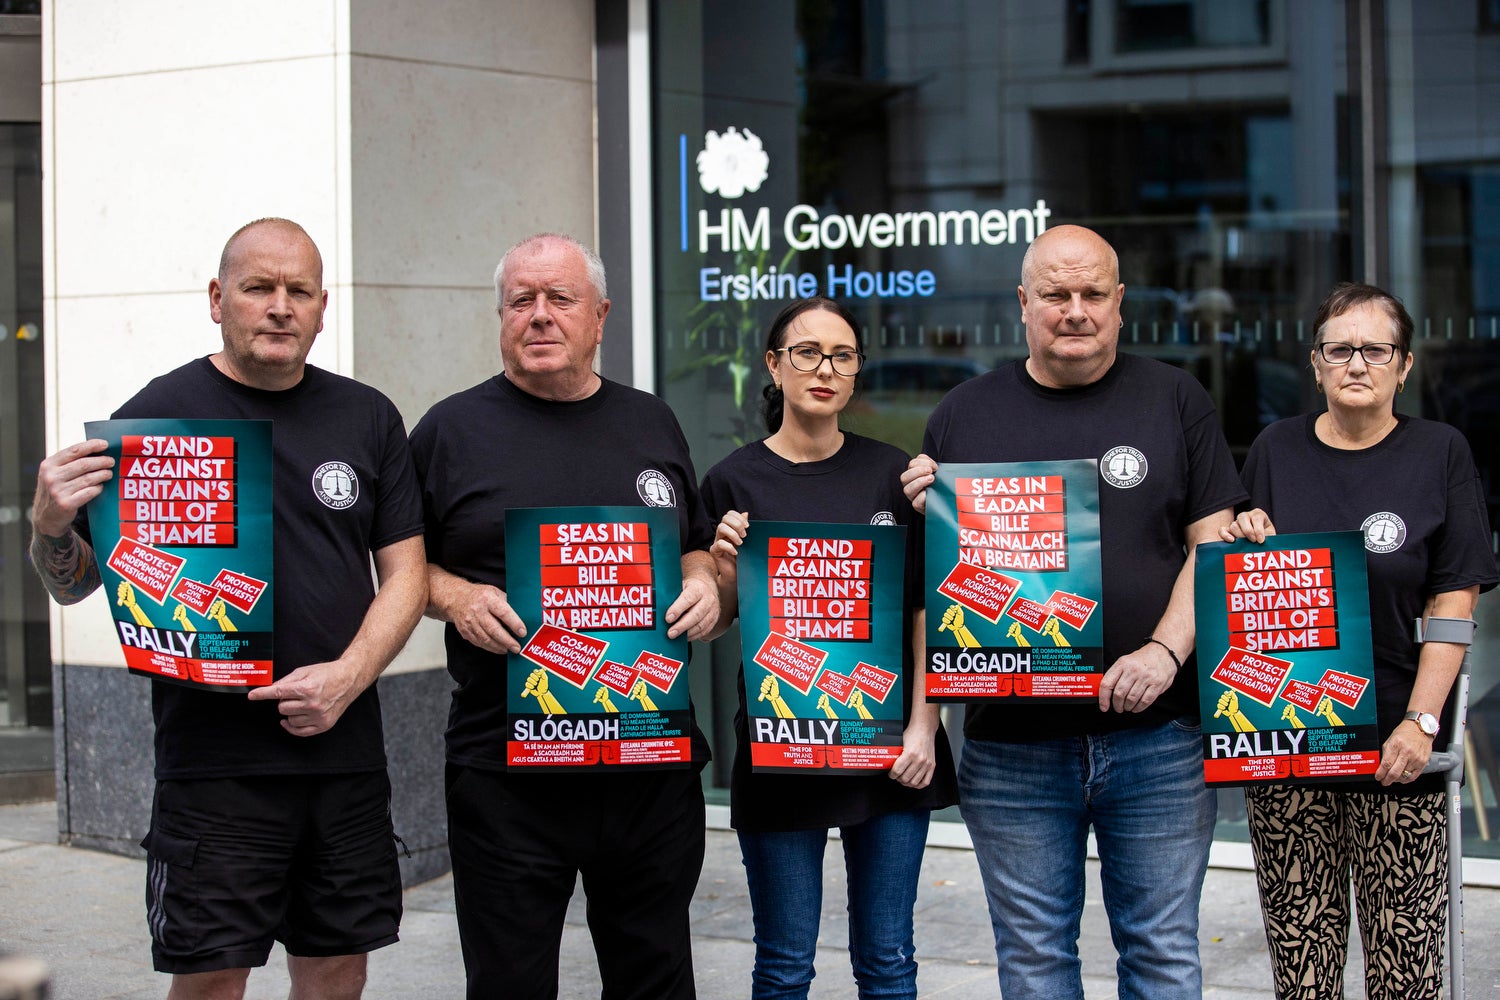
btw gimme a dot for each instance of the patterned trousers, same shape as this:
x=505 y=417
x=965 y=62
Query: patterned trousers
x=1309 y=843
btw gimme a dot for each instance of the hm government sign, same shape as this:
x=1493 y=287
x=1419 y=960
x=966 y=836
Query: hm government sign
x=735 y=164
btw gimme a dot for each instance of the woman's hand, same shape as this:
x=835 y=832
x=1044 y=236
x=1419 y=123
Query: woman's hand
x=1404 y=755
x=728 y=538
x=725 y=553
x=1254 y=525
x=918 y=761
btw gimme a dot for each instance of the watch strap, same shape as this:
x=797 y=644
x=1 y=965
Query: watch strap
x=1422 y=719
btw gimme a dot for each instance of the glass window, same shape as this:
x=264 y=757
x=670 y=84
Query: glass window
x=1441 y=196
x=1489 y=15
x=1076 y=31
x=25 y=663
x=1155 y=25
x=900 y=156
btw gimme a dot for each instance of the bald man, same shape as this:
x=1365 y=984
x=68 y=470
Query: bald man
x=1035 y=778
x=271 y=818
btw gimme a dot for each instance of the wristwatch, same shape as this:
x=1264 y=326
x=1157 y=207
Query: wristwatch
x=1426 y=721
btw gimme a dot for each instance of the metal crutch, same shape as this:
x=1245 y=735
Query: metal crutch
x=1450 y=763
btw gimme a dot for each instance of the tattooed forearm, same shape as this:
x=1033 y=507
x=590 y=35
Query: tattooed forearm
x=66 y=566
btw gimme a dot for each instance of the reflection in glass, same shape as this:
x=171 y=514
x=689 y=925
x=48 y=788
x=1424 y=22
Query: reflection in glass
x=1156 y=25
x=25 y=661
x=1218 y=145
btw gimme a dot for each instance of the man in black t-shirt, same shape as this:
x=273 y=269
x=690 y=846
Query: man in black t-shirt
x=271 y=818
x=546 y=432
x=1034 y=778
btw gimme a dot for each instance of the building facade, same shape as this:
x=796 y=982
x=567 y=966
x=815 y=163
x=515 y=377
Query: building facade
x=1243 y=155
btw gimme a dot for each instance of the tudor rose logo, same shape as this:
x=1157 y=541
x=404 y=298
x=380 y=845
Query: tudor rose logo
x=732 y=163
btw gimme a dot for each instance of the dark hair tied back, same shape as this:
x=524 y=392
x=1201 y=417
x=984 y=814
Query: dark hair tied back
x=770 y=409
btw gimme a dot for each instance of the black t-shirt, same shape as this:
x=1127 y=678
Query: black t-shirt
x=859 y=484
x=323 y=585
x=487 y=449
x=1417 y=497
x=1181 y=471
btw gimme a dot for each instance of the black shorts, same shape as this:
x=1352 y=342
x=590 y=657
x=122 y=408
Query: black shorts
x=234 y=864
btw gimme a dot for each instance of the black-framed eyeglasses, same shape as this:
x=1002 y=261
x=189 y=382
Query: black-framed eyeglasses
x=1336 y=353
x=807 y=359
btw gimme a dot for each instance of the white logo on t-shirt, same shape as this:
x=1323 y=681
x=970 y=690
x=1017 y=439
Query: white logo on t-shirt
x=1123 y=467
x=884 y=517
x=655 y=489
x=336 y=485
x=1384 y=532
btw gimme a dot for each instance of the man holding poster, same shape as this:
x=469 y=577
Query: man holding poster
x=1035 y=777
x=548 y=432
x=264 y=802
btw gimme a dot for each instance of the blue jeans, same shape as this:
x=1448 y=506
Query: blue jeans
x=1029 y=807
x=882 y=857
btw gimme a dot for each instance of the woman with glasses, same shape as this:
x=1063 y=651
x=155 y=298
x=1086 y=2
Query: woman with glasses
x=1411 y=486
x=809 y=470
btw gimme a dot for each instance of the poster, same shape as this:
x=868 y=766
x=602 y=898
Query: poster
x=1013 y=582
x=182 y=533
x=597 y=683
x=821 y=616
x=1285 y=663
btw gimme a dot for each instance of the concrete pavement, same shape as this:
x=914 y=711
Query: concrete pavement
x=82 y=913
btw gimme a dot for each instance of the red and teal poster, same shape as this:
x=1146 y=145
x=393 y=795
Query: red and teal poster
x=1013 y=582
x=1285 y=663
x=182 y=533
x=821 y=630
x=597 y=684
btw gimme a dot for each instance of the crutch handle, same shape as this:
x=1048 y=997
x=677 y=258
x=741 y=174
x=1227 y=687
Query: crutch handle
x=1442 y=762
x=1454 y=630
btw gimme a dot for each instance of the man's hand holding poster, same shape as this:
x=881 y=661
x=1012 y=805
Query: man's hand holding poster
x=597 y=683
x=182 y=532
x=821 y=626
x=1013 y=582
x=1285 y=663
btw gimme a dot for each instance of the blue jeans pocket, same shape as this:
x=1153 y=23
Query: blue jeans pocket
x=1187 y=724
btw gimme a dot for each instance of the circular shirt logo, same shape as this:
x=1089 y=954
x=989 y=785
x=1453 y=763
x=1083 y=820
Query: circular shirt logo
x=1384 y=532
x=884 y=517
x=336 y=485
x=655 y=489
x=1123 y=467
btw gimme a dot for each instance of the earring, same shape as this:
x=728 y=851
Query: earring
x=1400 y=387
x=1320 y=388
x=777 y=383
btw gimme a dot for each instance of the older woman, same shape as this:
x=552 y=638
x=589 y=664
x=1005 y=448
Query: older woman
x=1410 y=485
